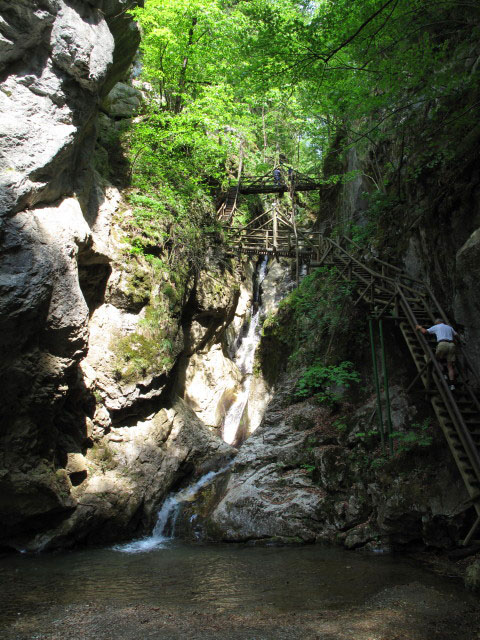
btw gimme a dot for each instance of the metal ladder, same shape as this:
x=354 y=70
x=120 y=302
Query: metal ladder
x=408 y=302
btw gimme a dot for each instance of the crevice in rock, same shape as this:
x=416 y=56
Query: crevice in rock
x=93 y=274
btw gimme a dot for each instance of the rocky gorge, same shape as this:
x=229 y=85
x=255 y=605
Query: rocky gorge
x=118 y=374
x=65 y=449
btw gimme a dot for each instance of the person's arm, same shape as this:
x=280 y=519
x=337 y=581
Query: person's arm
x=422 y=329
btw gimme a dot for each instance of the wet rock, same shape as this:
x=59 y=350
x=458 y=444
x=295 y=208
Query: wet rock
x=211 y=384
x=300 y=476
x=360 y=535
x=278 y=282
x=269 y=493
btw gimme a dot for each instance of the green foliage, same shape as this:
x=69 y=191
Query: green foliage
x=149 y=350
x=372 y=71
x=418 y=436
x=313 y=310
x=306 y=324
x=340 y=425
x=309 y=468
x=320 y=381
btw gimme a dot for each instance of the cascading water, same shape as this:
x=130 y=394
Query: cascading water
x=164 y=529
x=244 y=359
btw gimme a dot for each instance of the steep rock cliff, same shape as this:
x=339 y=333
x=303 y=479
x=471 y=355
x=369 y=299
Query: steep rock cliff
x=71 y=296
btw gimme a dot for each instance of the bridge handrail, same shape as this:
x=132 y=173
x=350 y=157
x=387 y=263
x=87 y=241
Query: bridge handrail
x=376 y=274
x=428 y=291
x=382 y=262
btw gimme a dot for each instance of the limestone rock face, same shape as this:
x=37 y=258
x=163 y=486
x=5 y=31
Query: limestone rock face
x=211 y=384
x=472 y=577
x=277 y=284
x=299 y=477
x=467 y=298
x=212 y=380
x=57 y=56
x=44 y=313
x=269 y=494
x=130 y=473
x=82 y=46
x=48 y=100
x=23 y=26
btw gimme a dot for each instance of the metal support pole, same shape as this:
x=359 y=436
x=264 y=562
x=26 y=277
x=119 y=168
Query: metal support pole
x=387 y=393
x=377 y=386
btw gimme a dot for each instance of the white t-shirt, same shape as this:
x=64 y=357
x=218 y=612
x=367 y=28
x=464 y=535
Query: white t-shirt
x=442 y=331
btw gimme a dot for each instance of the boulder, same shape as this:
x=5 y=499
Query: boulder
x=123 y=101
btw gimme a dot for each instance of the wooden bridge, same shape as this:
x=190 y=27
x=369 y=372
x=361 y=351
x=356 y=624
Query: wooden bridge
x=286 y=181
x=392 y=297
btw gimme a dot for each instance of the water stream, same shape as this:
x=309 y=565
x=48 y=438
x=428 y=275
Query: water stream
x=244 y=359
x=88 y=593
x=164 y=530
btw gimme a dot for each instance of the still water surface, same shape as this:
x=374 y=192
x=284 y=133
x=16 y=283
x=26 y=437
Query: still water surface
x=217 y=577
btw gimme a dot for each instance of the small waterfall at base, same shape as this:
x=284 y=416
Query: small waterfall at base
x=164 y=530
x=244 y=359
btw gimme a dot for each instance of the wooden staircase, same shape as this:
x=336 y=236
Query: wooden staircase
x=392 y=295
x=227 y=209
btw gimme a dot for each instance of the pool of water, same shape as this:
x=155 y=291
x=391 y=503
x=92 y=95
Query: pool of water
x=221 y=578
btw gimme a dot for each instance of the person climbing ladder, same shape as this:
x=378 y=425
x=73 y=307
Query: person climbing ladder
x=445 y=345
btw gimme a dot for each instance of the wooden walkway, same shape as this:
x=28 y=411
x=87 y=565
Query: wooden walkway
x=391 y=296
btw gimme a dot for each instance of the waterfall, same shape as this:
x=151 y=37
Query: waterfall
x=164 y=530
x=244 y=359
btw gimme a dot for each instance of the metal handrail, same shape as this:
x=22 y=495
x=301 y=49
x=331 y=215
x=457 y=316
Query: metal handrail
x=427 y=291
x=430 y=293
x=445 y=319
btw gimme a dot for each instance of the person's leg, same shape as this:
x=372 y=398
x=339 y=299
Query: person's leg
x=441 y=356
x=451 y=361
x=451 y=371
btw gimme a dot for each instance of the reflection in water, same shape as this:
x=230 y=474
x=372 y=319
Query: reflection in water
x=220 y=577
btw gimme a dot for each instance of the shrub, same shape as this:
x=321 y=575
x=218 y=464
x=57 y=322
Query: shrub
x=320 y=381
